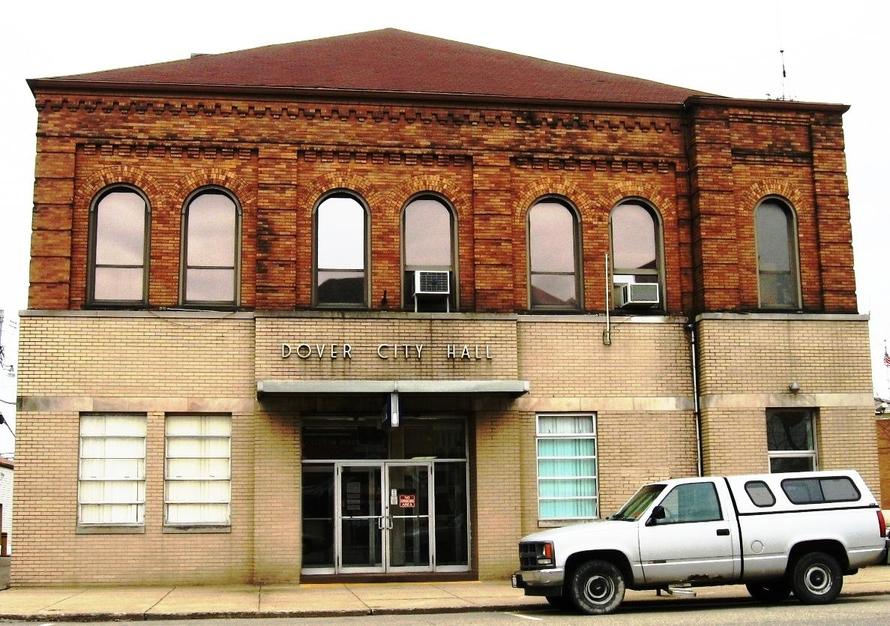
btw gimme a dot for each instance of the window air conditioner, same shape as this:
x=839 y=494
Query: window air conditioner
x=632 y=294
x=435 y=283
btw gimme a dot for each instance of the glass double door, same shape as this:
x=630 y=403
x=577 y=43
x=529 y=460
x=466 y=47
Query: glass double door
x=384 y=516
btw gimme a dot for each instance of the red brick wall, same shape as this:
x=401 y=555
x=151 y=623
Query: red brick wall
x=704 y=169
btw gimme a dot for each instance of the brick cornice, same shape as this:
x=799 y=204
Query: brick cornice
x=598 y=117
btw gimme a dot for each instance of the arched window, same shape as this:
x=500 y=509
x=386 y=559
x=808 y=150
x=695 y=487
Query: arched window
x=428 y=247
x=211 y=221
x=777 y=255
x=554 y=280
x=636 y=254
x=341 y=251
x=119 y=251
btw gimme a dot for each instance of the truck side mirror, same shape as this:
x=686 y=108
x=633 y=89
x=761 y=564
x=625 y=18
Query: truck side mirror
x=657 y=514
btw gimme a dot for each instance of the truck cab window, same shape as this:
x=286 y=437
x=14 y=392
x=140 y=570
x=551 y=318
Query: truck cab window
x=693 y=502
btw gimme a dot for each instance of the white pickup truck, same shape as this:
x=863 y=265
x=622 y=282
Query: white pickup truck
x=776 y=533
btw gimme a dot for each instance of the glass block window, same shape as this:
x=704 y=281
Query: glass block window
x=111 y=473
x=198 y=472
x=567 y=467
x=790 y=440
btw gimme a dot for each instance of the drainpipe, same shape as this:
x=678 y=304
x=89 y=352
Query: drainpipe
x=696 y=405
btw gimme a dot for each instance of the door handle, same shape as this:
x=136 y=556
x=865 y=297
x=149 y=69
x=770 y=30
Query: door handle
x=723 y=532
x=381 y=523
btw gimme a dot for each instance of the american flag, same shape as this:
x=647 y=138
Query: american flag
x=886 y=357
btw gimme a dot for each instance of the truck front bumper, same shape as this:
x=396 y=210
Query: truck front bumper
x=539 y=582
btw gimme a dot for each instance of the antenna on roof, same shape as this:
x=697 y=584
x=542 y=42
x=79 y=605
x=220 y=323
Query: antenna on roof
x=784 y=73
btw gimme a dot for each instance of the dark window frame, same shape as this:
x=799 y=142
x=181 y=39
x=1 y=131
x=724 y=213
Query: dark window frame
x=366 y=254
x=184 y=266
x=793 y=239
x=454 y=296
x=659 y=271
x=577 y=250
x=93 y=244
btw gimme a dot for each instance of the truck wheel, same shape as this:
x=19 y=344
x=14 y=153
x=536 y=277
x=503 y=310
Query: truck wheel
x=597 y=587
x=816 y=578
x=770 y=591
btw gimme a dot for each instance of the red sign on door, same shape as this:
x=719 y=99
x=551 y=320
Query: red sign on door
x=407 y=500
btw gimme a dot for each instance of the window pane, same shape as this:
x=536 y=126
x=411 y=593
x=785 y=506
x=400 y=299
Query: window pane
x=566 y=488
x=120 y=229
x=839 y=490
x=778 y=289
x=553 y=290
x=552 y=238
x=211 y=230
x=427 y=234
x=341 y=234
x=567 y=509
x=118 y=283
x=633 y=238
x=696 y=502
x=566 y=447
x=789 y=430
x=760 y=493
x=197 y=513
x=803 y=491
x=791 y=464
x=565 y=424
x=198 y=468
x=559 y=468
x=210 y=285
x=773 y=238
x=341 y=287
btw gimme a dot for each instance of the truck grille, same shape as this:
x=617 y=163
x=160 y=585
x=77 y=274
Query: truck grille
x=529 y=553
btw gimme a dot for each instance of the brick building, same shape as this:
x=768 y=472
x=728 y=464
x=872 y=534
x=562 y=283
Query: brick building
x=377 y=305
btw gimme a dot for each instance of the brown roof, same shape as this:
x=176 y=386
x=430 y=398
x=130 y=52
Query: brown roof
x=386 y=62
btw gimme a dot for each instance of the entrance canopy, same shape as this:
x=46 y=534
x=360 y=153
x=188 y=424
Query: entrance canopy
x=507 y=387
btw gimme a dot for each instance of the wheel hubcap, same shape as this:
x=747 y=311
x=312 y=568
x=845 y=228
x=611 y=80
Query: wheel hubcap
x=817 y=579
x=599 y=589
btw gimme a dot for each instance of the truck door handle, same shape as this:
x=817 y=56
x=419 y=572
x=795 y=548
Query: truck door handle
x=723 y=532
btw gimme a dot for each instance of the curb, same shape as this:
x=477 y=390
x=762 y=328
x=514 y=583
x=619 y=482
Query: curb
x=648 y=604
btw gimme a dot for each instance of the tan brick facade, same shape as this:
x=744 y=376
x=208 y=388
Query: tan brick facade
x=703 y=166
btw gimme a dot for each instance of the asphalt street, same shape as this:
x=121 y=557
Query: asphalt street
x=855 y=611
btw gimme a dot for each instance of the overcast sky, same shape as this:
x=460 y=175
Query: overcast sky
x=834 y=52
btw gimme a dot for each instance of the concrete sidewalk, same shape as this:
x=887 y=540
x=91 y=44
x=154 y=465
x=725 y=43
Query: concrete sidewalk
x=323 y=600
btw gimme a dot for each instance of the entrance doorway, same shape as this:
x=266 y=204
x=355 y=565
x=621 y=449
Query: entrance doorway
x=395 y=515
x=385 y=517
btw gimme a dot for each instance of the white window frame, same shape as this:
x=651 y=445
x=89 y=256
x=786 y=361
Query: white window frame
x=168 y=479
x=794 y=454
x=539 y=436
x=84 y=478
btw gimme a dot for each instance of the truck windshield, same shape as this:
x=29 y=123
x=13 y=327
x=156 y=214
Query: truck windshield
x=641 y=500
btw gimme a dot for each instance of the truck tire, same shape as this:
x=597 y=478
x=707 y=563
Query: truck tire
x=771 y=591
x=597 y=587
x=816 y=578
x=560 y=602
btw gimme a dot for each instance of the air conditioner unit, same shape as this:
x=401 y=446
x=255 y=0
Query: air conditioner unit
x=432 y=283
x=638 y=294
